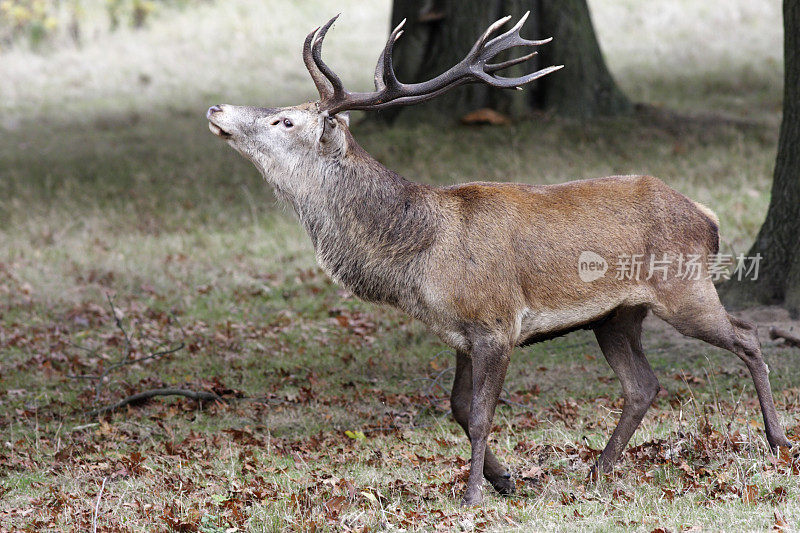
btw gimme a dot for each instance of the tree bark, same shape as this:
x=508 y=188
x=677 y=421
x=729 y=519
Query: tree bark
x=778 y=241
x=438 y=33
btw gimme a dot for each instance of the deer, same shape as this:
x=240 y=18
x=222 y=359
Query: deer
x=489 y=267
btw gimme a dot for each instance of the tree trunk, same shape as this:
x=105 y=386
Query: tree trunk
x=778 y=241
x=439 y=33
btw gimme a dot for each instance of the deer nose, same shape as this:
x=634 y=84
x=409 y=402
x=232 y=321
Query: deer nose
x=213 y=109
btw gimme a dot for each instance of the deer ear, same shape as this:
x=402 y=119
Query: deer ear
x=345 y=116
x=329 y=125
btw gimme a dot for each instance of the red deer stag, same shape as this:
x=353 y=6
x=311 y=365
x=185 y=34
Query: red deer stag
x=490 y=266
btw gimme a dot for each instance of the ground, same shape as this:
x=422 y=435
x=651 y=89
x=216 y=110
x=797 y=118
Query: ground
x=334 y=412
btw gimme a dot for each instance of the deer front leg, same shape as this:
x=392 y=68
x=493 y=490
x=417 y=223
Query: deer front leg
x=460 y=400
x=489 y=364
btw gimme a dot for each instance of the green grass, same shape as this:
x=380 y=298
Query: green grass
x=110 y=183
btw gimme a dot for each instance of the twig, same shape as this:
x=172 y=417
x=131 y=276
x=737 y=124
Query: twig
x=82 y=376
x=511 y=403
x=788 y=338
x=180 y=326
x=434 y=382
x=200 y=396
x=735 y=408
x=692 y=400
x=84 y=348
x=395 y=427
x=118 y=322
x=97 y=506
x=713 y=387
x=124 y=359
x=102 y=377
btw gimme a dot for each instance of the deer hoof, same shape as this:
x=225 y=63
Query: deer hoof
x=504 y=485
x=471 y=498
x=781 y=443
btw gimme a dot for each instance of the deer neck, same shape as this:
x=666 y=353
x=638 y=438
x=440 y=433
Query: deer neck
x=370 y=227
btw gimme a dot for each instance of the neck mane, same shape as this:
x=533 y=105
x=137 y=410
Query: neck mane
x=370 y=227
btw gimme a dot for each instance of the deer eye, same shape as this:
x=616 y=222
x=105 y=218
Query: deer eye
x=287 y=123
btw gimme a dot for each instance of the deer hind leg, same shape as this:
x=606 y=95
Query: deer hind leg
x=701 y=315
x=460 y=400
x=620 y=341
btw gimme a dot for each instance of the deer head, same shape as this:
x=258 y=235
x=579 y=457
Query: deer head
x=286 y=143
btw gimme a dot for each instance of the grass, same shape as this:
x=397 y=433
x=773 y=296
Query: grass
x=111 y=184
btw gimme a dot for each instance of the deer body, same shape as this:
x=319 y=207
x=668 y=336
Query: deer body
x=491 y=266
x=432 y=252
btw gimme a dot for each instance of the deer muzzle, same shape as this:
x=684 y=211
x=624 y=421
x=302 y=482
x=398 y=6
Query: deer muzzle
x=214 y=123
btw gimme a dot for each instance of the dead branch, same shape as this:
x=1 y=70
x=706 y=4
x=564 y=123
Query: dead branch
x=125 y=359
x=139 y=397
x=155 y=355
x=788 y=338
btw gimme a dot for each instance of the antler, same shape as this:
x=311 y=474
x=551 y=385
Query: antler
x=389 y=91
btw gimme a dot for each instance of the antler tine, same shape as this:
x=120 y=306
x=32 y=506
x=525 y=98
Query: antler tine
x=510 y=39
x=489 y=31
x=384 y=66
x=494 y=67
x=316 y=54
x=514 y=30
x=513 y=83
x=323 y=86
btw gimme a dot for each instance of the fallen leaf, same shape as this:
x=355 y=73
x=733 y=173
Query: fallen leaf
x=749 y=494
x=533 y=472
x=780 y=522
x=485 y=116
x=356 y=435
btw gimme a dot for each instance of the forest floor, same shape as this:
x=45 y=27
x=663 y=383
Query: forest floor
x=138 y=252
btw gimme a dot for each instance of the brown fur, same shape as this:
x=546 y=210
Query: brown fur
x=524 y=241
